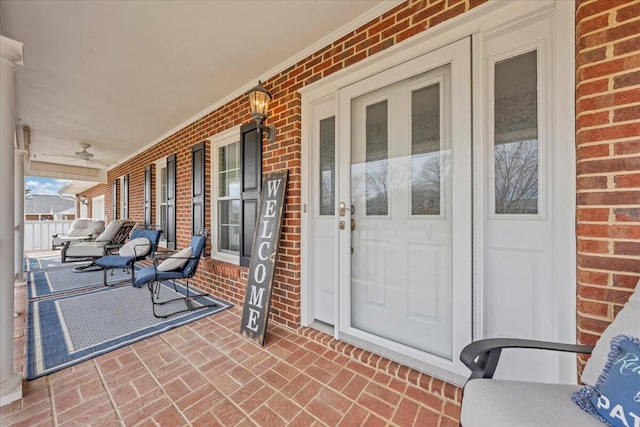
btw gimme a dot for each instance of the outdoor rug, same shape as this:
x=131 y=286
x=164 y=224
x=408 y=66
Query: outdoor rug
x=49 y=263
x=51 y=282
x=64 y=331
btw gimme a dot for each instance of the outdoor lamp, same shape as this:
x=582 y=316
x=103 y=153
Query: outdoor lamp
x=82 y=199
x=259 y=99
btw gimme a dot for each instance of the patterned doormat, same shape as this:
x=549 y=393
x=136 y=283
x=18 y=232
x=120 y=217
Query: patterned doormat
x=52 y=282
x=64 y=331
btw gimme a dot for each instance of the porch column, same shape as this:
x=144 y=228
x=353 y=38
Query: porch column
x=10 y=381
x=19 y=215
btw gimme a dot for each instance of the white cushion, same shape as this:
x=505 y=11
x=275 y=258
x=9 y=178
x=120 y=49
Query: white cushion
x=111 y=230
x=501 y=403
x=86 y=226
x=135 y=247
x=627 y=322
x=176 y=260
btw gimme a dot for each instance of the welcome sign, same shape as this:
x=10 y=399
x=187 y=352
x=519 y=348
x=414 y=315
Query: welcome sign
x=262 y=267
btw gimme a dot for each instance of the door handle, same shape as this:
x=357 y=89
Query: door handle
x=342 y=209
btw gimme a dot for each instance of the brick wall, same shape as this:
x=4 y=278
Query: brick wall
x=608 y=160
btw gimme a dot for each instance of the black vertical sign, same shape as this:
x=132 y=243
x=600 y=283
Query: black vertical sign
x=262 y=267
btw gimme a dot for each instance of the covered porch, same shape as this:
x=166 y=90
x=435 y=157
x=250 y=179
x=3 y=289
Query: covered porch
x=467 y=168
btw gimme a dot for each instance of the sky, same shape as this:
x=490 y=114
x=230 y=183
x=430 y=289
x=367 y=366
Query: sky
x=44 y=185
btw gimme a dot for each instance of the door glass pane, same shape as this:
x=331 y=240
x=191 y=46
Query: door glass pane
x=377 y=146
x=425 y=151
x=228 y=168
x=327 y=165
x=516 y=135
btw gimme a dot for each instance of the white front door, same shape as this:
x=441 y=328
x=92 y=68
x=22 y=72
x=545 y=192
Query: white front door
x=405 y=183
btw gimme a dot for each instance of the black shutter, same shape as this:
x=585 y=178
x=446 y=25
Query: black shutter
x=197 y=187
x=125 y=197
x=147 y=196
x=114 y=204
x=171 y=202
x=250 y=182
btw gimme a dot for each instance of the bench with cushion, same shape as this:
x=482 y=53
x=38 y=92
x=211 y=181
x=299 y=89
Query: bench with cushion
x=115 y=233
x=82 y=230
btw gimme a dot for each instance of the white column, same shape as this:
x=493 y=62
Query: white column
x=19 y=215
x=10 y=381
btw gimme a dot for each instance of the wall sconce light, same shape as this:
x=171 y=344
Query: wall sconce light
x=82 y=199
x=259 y=99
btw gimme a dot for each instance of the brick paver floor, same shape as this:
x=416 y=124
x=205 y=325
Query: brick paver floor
x=206 y=374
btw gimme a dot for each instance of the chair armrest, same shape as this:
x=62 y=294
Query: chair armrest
x=111 y=248
x=488 y=352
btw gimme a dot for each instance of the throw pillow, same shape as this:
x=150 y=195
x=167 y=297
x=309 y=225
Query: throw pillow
x=627 y=322
x=177 y=260
x=135 y=247
x=615 y=400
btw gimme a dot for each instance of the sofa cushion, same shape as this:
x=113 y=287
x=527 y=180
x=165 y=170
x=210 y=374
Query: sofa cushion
x=615 y=400
x=177 y=260
x=111 y=230
x=627 y=322
x=135 y=248
x=86 y=249
x=498 y=403
x=86 y=226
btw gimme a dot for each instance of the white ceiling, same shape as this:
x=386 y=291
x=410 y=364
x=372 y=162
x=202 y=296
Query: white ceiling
x=122 y=74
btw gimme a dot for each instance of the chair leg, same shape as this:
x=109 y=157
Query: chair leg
x=106 y=283
x=187 y=299
x=86 y=268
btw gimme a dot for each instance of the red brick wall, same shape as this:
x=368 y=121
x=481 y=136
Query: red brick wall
x=608 y=160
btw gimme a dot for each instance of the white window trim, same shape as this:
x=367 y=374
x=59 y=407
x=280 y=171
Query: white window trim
x=158 y=165
x=226 y=137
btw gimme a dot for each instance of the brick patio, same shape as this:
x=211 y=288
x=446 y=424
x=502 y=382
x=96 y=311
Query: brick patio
x=206 y=374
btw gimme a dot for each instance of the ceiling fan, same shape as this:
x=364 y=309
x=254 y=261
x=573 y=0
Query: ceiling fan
x=82 y=155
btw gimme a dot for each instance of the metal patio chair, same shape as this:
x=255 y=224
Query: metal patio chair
x=489 y=402
x=185 y=269
x=139 y=252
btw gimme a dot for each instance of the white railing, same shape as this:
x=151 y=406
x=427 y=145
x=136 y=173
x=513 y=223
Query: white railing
x=37 y=234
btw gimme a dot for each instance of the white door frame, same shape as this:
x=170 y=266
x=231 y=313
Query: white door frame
x=475 y=23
